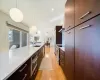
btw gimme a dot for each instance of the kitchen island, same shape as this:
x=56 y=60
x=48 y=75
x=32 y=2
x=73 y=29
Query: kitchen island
x=21 y=64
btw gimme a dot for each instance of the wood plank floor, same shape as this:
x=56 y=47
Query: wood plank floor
x=56 y=73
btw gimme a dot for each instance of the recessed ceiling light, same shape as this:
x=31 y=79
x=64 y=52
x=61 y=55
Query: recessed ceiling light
x=32 y=29
x=38 y=32
x=52 y=9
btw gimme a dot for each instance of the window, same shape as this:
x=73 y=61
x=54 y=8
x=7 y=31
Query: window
x=24 y=39
x=17 y=38
x=14 y=38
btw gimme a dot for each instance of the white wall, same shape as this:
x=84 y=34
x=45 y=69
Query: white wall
x=4 y=44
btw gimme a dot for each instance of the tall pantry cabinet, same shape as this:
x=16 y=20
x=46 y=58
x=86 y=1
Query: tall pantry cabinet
x=82 y=49
x=69 y=40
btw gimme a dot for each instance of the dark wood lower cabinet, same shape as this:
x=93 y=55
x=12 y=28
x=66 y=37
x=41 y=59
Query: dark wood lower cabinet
x=25 y=71
x=87 y=50
x=62 y=59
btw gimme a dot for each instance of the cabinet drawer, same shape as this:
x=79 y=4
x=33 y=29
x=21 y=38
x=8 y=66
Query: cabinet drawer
x=25 y=76
x=62 y=57
x=23 y=73
x=62 y=52
x=85 y=9
x=34 y=74
x=62 y=64
x=87 y=49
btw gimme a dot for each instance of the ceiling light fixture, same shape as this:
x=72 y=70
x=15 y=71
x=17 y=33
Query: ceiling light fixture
x=38 y=32
x=16 y=14
x=52 y=9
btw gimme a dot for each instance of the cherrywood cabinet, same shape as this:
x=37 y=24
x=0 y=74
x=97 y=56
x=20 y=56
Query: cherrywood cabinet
x=86 y=9
x=69 y=14
x=62 y=59
x=87 y=49
x=82 y=48
x=69 y=54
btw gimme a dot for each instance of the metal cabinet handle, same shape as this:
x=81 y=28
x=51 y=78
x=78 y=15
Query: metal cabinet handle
x=85 y=27
x=69 y=26
x=34 y=72
x=86 y=14
x=23 y=68
x=67 y=29
x=34 y=69
x=24 y=77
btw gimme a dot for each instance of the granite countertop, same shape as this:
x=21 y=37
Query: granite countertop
x=11 y=61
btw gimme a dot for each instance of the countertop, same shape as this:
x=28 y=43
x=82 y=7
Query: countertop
x=62 y=48
x=11 y=61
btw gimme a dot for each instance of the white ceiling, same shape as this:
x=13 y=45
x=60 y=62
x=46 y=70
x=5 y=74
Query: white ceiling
x=37 y=12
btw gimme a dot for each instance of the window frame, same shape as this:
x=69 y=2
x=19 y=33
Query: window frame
x=20 y=30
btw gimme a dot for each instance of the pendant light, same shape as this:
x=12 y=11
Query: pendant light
x=16 y=14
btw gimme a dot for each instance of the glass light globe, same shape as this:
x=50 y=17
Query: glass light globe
x=16 y=15
x=33 y=29
x=38 y=32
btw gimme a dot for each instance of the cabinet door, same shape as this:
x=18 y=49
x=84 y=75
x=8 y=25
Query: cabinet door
x=58 y=35
x=23 y=73
x=85 y=9
x=87 y=50
x=69 y=14
x=62 y=59
x=69 y=54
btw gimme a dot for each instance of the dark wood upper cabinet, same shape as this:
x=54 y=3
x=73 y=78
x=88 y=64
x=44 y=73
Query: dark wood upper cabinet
x=69 y=14
x=58 y=35
x=69 y=54
x=86 y=9
x=87 y=50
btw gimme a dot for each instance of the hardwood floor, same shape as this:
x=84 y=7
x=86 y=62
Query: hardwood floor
x=56 y=73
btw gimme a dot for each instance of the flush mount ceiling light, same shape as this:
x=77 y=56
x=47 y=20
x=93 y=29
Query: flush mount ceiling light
x=52 y=9
x=38 y=32
x=33 y=29
x=16 y=14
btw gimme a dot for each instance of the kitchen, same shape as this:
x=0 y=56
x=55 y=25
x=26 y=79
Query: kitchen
x=22 y=45
x=49 y=40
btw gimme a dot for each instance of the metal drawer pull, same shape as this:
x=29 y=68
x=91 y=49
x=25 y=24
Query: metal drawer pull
x=34 y=73
x=85 y=27
x=23 y=68
x=85 y=15
x=24 y=77
x=34 y=69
